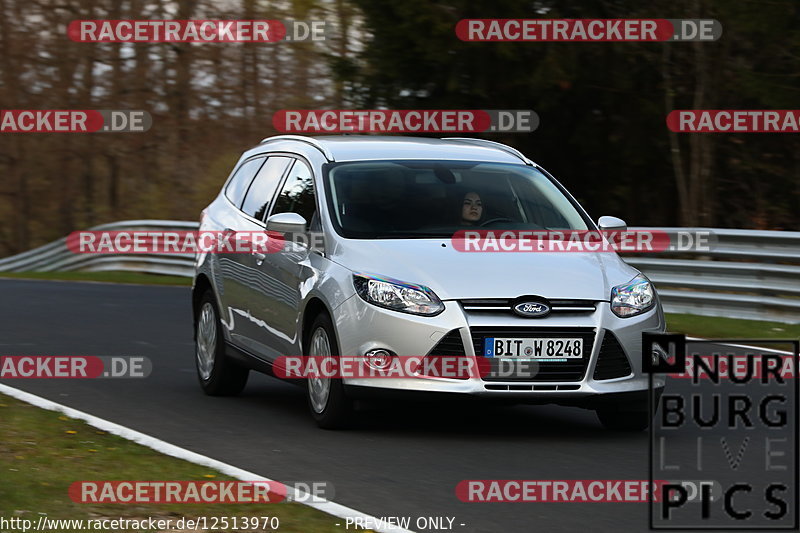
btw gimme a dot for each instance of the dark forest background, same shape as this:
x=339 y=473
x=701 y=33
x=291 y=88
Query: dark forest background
x=602 y=106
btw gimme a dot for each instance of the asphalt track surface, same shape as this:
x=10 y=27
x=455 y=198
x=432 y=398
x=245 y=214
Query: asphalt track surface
x=402 y=460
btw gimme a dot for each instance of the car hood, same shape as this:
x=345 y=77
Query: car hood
x=455 y=275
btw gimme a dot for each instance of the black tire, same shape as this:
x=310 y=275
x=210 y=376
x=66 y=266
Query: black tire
x=617 y=419
x=225 y=377
x=338 y=411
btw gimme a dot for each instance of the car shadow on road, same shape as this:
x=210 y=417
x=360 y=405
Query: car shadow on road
x=452 y=418
x=475 y=419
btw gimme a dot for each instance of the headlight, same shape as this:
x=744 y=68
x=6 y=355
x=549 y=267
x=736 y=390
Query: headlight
x=633 y=298
x=397 y=296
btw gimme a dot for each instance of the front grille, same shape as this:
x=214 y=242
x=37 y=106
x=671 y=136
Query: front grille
x=612 y=361
x=572 y=370
x=494 y=305
x=532 y=387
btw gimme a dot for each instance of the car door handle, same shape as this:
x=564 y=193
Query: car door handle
x=259 y=257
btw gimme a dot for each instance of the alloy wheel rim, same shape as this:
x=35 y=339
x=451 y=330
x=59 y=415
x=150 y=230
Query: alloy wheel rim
x=319 y=388
x=206 y=341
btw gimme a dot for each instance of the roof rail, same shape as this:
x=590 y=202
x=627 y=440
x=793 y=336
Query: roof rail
x=300 y=138
x=493 y=144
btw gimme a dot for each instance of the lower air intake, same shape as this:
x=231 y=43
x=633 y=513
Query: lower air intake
x=612 y=362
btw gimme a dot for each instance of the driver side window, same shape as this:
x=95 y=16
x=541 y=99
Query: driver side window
x=297 y=193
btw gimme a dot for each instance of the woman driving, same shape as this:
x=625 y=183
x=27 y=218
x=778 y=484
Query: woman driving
x=471 y=209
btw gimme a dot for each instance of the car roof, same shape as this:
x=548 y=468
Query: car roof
x=372 y=147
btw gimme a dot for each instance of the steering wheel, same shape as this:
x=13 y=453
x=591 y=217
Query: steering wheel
x=498 y=219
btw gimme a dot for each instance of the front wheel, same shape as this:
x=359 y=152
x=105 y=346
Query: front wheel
x=218 y=375
x=329 y=405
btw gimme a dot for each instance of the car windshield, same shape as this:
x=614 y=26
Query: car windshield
x=419 y=199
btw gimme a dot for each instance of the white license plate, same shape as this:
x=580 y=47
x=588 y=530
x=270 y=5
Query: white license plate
x=542 y=349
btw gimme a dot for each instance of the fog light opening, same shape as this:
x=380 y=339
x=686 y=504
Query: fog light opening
x=379 y=359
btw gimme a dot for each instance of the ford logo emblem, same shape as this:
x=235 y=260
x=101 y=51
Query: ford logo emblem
x=532 y=309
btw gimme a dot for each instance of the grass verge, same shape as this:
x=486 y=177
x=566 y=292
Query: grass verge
x=42 y=452
x=733 y=328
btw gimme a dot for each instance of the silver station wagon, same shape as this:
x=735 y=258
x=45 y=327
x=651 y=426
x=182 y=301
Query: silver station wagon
x=370 y=268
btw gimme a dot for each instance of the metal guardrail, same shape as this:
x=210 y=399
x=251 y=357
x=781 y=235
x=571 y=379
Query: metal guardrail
x=756 y=275
x=56 y=256
x=747 y=274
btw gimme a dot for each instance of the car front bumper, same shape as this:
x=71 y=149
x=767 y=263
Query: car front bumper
x=362 y=327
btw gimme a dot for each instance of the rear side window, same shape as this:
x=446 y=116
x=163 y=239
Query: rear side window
x=237 y=187
x=297 y=194
x=258 y=197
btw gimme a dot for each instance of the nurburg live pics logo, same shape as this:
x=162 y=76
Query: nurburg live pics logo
x=727 y=432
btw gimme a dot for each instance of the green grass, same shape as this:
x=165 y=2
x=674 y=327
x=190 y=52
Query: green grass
x=42 y=452
x=109 y=277
x=732 y=328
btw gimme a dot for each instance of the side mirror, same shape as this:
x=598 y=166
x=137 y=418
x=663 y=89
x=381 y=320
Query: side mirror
x=611 y=224
x=287 y=223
